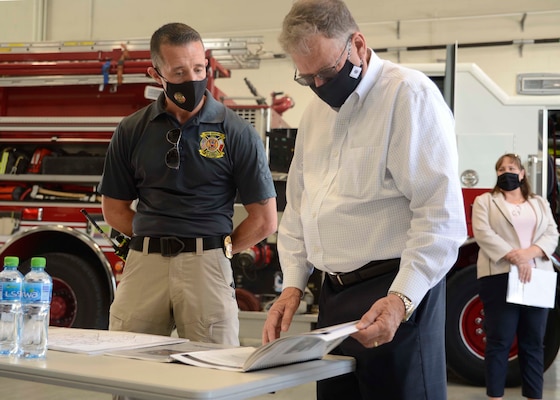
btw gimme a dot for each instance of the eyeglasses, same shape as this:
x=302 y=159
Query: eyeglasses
x=326 y=74
x=172 y=157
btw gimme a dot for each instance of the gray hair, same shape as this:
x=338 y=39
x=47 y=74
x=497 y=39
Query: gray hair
x=307 y=18
x=175 y=34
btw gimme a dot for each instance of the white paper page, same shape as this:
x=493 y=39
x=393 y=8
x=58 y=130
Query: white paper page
x=225 y=359
x=93 y=341
x=336 y=331
x=539 y=292
x=298 y=349
x=162 y=353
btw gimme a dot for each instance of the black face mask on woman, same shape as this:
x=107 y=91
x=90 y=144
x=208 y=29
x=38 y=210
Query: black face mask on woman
x=508 y=181
x=336 y=91
x=186 y=95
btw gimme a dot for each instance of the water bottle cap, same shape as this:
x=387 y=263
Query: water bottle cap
x=11 y=261
x=38 y=262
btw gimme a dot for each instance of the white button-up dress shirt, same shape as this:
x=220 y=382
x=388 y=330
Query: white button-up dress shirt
x=375 y=180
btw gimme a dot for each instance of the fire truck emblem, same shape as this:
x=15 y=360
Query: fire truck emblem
x=179 y=97
x=212 y=144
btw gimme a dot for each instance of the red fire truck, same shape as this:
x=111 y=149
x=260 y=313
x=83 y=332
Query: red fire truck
x=59 y=105
x=60 y=102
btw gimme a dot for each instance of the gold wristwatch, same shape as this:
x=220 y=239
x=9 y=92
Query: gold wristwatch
x=228 y=247
x=408 y=305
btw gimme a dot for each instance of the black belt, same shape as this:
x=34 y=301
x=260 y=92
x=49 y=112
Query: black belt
x=170 y=246
x=368 y=271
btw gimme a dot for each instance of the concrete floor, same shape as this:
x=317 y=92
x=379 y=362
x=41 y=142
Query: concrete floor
x=11 y=389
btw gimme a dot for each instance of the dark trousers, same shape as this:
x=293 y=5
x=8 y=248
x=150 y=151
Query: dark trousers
x=411 y=367
x=502 y=321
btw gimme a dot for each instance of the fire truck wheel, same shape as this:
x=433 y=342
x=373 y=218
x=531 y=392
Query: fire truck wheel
x=464 y=332
x=80 y=295
x=465 y=338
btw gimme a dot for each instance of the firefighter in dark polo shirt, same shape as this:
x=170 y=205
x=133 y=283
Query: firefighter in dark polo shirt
x=184 y=159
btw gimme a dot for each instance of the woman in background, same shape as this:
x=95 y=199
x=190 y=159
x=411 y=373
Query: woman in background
x=512 y=226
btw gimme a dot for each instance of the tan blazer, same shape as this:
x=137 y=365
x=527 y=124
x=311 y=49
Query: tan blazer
x=496 y=236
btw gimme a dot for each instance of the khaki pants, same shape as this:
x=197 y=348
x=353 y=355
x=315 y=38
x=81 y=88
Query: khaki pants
x=194 y=293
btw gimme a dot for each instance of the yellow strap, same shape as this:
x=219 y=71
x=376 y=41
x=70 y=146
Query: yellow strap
x=4 y=161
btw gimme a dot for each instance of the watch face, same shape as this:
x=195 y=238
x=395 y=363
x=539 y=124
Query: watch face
x=228 y=247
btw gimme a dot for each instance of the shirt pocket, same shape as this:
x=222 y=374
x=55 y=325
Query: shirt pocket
x=361 y=172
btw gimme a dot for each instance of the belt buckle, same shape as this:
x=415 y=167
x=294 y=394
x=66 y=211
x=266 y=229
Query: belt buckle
x=167 y=248
x=337 y=275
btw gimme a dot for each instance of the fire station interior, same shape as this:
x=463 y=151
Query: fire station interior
x=70 y=71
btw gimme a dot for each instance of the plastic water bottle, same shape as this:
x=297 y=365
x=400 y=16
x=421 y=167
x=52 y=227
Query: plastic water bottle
x=10 y=307
x=36 y=302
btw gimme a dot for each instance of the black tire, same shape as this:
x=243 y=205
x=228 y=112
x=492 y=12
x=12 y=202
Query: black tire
x=465 y=334
x=80 y=294
x=464 y=331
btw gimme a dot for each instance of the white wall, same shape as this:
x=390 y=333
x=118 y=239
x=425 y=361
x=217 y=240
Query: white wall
x=422 y=23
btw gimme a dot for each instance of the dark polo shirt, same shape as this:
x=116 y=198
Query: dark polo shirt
x=221 y=155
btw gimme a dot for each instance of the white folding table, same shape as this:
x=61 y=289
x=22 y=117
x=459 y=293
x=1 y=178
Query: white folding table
x=166 y=381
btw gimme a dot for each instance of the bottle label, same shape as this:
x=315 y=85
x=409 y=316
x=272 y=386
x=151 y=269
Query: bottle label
x=36 y=292
x=11 y=291
x=8 y=318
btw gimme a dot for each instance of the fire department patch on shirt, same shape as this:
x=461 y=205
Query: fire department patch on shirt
x=212 y=144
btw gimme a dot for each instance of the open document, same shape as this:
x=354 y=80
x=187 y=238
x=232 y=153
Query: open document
x=163 y=353
x=539 y=292
x=282 y=351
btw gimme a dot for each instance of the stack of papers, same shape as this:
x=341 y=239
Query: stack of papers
x=282 y=351
x=539 y=292
x=93 y=341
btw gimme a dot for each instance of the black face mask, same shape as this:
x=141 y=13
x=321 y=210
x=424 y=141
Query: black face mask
x=508 y=181
x=186 y=95
x=336 y=91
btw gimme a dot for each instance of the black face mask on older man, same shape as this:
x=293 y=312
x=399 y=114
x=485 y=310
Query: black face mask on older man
x=508 y=181
x=336 y=91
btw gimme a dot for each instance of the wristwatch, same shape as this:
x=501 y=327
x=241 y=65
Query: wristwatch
x=408 y=305
x=228 y=247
